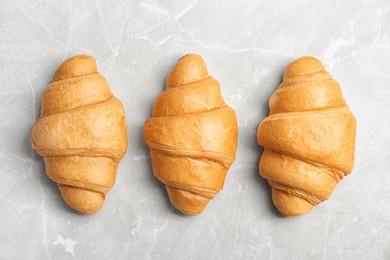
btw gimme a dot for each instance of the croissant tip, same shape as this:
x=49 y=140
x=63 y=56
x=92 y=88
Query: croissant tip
x=191 y=56
x=190 y=68
x=303 y=65
x=84 y=201
x=290 y=205
x=186 y=202
x=81 y=64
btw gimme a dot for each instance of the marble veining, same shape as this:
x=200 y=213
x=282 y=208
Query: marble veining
x=246 y=45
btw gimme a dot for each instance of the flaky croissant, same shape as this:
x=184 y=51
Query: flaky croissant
x=81 y=134
x=308 y=138
x=192 y=136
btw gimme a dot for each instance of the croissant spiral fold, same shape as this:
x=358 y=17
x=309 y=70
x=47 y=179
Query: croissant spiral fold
x=81 y=134
x=192 y=136
x=308 y=138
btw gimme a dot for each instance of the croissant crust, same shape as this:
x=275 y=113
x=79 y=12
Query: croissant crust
x=192 y=136
x=308 y=138
x=81 y=134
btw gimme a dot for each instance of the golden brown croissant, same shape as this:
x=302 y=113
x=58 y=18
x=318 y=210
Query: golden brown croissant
x=308 y=138
x=192 y=136
x=82 y=133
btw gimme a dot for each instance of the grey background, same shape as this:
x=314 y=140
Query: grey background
x=246 y=45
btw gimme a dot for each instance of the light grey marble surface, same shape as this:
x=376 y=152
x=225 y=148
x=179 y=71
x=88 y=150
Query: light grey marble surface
x=247 y=45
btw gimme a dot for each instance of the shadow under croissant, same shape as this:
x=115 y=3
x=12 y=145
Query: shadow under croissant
x=264 y=186
x=49 y=187
x=158 y=185
x=141 y=145
x=154 y=182
x=38 y=162
x=259 y=150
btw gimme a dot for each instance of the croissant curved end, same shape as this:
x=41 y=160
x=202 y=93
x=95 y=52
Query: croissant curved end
x=190 y=68
x=76 y=66
x=84 y=201
x=187 y=202
x=290 y=205
x=302 y=66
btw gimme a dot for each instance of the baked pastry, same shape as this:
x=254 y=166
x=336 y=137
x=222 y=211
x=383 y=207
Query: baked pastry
x=308 y=138
x=81 y=134
x=192 y=136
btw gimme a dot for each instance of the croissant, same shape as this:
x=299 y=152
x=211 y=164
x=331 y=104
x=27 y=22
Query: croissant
x=308 y=138
x=81 y=134
x=192 y=136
